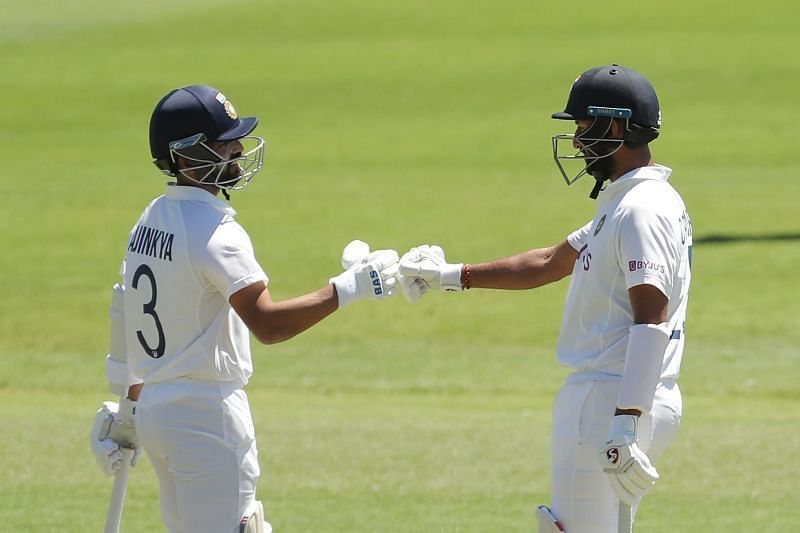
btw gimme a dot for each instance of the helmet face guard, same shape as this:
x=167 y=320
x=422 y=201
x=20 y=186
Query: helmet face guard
x=591 y=147
x=208 y=167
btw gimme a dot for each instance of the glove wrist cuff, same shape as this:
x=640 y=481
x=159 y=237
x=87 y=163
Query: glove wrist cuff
x=625 y=425
x=450 y=278
x=346 y=287
x=127 y=410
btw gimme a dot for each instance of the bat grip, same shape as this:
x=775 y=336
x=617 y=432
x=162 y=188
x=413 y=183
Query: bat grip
x=118 y=493
x=625 y=520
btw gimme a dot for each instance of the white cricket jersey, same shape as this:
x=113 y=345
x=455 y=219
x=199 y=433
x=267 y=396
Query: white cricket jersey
x=186 y=255
x=641 y=234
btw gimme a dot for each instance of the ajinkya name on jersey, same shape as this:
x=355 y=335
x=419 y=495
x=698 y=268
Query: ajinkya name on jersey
x=153 y=242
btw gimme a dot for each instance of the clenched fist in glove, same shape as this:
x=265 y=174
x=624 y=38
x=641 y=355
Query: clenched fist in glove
x=423 y=268
x=628 y=467
x=368 y=274
x=114 y=428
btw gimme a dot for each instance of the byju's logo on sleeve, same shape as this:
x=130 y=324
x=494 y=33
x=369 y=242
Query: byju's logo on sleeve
x=633 y=266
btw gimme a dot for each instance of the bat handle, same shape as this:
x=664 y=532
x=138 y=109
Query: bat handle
x=118 y=493
x=625 y=520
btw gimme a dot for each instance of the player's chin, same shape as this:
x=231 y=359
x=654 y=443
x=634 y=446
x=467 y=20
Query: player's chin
x=233 y=173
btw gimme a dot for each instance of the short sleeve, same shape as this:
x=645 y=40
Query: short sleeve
x=647 y=249
x=229 y=262
x=577 y=239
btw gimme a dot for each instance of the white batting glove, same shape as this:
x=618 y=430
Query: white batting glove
x=628 y=467
x=372 y=275
x=114 y=428
x=427 y=264
x=413 y=288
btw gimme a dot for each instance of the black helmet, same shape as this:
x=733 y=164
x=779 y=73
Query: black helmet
x=615 y=92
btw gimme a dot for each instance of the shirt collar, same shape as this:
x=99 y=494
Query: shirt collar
x=190 y=193
x=651 y=172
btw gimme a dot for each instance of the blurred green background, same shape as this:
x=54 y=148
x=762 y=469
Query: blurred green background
x=401 y=123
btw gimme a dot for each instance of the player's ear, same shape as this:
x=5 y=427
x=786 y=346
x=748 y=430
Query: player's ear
x=617 y=129
x=180 y=162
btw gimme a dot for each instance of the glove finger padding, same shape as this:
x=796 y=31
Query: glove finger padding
x=642 y=474
x=389 y=277
x=427 y=263
x=415 y=263
x=106 y=452
x=624 y=495
x=421 y=267
x=436 y=251
x=629 y=471
x=413 y=288
x=382 y=259
x=353 y=253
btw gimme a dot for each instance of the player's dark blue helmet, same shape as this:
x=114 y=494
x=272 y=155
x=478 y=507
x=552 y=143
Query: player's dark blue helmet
x=186 y=124
x=603 y=94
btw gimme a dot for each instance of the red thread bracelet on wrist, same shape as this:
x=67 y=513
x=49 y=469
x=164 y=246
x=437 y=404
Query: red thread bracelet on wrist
x=467 y=280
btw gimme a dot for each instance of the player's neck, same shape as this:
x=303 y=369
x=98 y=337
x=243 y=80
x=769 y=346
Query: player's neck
x=183 y=182
x=628 y=160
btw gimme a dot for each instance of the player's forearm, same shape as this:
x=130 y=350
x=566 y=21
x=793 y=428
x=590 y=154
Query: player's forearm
x=280 y=321
x=526 y=270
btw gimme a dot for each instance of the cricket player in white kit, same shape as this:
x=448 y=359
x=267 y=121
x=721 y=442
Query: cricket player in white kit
x=193 y=291
x=623 y=327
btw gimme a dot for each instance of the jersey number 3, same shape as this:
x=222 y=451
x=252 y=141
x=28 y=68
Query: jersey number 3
x=150 y=309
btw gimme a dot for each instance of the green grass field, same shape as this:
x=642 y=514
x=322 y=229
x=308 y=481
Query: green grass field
x=401 y=123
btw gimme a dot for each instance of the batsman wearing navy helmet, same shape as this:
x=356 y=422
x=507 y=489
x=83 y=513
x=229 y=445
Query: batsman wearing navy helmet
x=191 y=292
x=624 y=320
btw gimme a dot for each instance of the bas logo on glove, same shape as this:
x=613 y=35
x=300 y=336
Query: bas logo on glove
x=376 y=283
x=368 y=274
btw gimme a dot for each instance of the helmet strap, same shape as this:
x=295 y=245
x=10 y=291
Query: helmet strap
x=598 y=186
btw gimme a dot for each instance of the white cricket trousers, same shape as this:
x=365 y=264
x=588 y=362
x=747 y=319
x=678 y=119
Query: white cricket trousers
x=200 y=440
x=582 y=497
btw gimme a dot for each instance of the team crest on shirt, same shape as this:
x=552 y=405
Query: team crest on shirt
x=599 y=226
